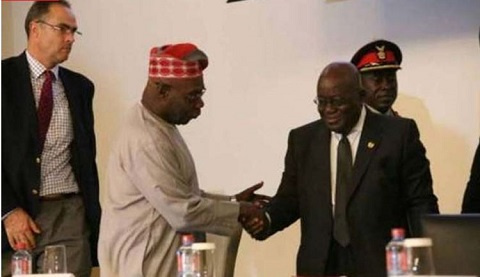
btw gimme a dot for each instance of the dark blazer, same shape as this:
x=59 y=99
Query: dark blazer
x=471 y=198
x=21 y=147
x=392 y=186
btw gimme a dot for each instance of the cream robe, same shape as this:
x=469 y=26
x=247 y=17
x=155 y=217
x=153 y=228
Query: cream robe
x=151 y=193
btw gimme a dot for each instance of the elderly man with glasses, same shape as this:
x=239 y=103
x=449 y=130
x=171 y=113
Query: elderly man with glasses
x=349 y=178
x=49 y=174
x=153 y=194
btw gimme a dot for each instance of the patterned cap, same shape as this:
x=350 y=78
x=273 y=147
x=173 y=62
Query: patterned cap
x=177 y=61
x=376 y=55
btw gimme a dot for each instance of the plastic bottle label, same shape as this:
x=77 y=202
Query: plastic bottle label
x=21 y=267
x=396 y=262
x=185 y=262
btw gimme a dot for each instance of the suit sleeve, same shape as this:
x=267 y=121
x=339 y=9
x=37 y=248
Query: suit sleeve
x=284 y=207
x=417 y=180
x=85 y=156
x=9 y=201
x=94 y=189
x=9 y=196
x=471 y=198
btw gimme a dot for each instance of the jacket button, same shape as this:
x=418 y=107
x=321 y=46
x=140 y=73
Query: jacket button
x=34 y=191
x=38 y=160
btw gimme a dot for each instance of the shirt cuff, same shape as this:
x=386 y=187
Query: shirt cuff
x=7 y=214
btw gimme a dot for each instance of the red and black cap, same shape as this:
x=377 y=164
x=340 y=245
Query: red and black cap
x=183 y=60
x=377 y=55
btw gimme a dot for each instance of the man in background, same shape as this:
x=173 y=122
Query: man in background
x=350 y=178
x=378 y=62
x=152 y=188
x=471 y=198
x=49 y=174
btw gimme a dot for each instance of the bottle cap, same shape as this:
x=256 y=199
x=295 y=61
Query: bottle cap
x=203 y=246
x=187 y=239
x=418 y=242
x=398 y=233
x=21 y=245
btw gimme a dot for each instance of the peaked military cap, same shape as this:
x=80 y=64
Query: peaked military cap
x=376 y=55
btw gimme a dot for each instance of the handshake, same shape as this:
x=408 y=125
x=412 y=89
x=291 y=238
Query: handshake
x=252 y=215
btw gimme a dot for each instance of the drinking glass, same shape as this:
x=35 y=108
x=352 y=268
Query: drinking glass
x=203 y=259
x=55 y=259
x=419 y=256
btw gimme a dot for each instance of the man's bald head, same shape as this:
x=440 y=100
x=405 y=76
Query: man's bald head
x=339 y=96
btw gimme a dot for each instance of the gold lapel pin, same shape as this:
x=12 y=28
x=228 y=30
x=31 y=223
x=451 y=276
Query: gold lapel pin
x=370 y=144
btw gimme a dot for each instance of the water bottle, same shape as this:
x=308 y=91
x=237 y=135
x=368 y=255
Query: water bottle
x=185 y=257
x=21 y=260
x=395 y=254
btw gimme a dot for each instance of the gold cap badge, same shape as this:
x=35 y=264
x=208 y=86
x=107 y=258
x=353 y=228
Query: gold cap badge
x=381 y=52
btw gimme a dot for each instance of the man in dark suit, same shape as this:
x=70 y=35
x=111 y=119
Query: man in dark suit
x=49 y=174
x=349 y=177
x=471 y=197
x=378 y=62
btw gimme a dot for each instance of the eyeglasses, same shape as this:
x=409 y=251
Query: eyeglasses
x=62 y=28
x=194 y=97
x=334 y=102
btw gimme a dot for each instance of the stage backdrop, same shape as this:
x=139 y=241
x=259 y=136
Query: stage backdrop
x=265 y=57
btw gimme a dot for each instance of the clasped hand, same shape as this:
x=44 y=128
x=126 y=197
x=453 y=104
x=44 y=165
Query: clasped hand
x=252 y=217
